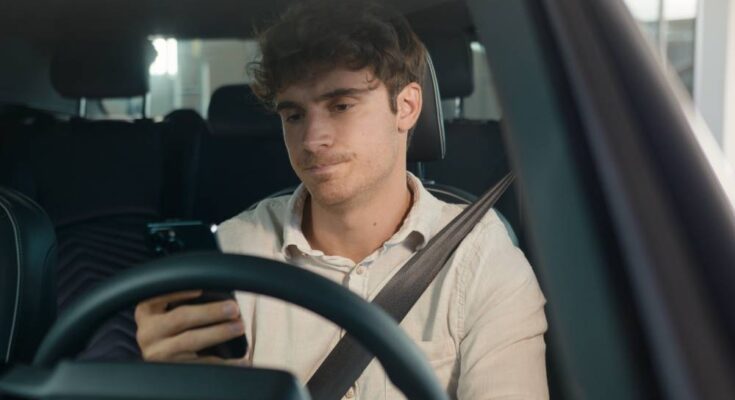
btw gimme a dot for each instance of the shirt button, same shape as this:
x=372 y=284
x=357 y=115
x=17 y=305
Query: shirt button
x=360 y=270
x=350 y=393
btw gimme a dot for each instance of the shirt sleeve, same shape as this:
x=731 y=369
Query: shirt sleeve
x=502 y=349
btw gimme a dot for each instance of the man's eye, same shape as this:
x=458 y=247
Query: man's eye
x=342 y=107
x=292 y=117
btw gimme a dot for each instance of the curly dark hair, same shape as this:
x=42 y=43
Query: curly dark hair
x=315 y=36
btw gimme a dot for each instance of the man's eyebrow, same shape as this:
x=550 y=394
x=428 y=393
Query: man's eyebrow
x=286 y=104
x=340 y=92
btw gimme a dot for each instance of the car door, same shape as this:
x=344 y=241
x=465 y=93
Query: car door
x=630 y=223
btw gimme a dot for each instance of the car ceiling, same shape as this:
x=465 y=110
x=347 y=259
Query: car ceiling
x=59 y=20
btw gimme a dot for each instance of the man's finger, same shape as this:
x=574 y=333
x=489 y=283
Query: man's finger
x=158 y=304
x=153 y=328
x=188 y=317
x=234 y=362
x=192 y=341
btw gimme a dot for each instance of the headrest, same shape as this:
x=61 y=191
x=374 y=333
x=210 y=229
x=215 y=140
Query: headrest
x=234 y=110
x=427 y=141
x=102 y=69
x=27 y=276
x=454 y=67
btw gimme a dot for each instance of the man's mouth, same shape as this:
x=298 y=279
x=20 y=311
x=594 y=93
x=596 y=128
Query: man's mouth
x=323 y=165
x=324 y=168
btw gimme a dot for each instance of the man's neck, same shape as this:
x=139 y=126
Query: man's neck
x=356 y=230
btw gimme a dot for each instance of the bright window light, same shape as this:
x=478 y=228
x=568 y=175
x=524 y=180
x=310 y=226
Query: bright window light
x=681 y=9
x=648 y=10
x=167 y=57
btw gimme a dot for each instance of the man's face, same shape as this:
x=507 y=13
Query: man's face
x=343 y=139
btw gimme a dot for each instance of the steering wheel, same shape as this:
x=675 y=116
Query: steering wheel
x=403 y=362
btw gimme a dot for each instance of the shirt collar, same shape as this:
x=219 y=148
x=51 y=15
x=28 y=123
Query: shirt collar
x=422 y=219
x=292 y=233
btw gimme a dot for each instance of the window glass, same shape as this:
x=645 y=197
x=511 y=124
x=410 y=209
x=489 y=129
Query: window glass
x=185 y=73
x=483 y=103
x=671 y=27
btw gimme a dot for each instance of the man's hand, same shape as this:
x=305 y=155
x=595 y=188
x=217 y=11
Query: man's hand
x=177 y=335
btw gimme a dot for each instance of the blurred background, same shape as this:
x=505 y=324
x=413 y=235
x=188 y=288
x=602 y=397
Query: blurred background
x=697 y=38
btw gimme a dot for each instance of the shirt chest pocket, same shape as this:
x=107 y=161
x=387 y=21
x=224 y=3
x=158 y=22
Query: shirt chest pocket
x=438 y=352
x=442 y=356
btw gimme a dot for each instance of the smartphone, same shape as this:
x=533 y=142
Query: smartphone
x=233 y=348
x=178 y=236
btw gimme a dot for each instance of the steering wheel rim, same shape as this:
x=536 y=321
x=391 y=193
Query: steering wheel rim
x=403 y=362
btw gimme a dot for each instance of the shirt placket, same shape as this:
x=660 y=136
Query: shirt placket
x=358 y=278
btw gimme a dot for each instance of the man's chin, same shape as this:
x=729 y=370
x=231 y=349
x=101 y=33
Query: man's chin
x=329 y=193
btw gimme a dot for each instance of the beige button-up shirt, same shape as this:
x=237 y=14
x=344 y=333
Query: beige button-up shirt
x=480 y=323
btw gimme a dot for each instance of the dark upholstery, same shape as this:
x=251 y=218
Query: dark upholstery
x=182 y=134
x=427 y=142
x=245 y=162
x=102 y=69
x=234 y=107
x=80 y=170
x=475 y=161
x=467 y=164
x=27 y=276
x=92 y=251
x=15 y=118
x=453 y=63
x=475 y=157
x=101 y=183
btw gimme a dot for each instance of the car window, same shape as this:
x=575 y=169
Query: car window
x=671 y=27
x=483 y=103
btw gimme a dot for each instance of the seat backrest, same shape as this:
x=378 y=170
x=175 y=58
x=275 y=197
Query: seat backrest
x=182 y=133
x=14 y=118
x=101 y=183
x=244 y=158
x=27 y=276
x=475 y=157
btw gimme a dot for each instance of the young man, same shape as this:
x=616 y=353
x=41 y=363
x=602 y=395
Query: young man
x=344 y=77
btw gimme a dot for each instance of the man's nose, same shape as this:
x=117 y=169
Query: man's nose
x=318 y=133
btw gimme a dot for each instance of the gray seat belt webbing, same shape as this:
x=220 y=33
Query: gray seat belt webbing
x=344 y=365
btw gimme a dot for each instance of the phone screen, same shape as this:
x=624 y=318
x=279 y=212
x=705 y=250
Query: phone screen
x=178 y=236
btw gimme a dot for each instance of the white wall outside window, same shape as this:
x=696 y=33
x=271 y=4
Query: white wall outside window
x=698 y=38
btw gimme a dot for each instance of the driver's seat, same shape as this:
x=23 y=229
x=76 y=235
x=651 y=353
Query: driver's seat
x=27 y=276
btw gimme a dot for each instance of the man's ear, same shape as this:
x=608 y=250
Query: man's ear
x=409 y=102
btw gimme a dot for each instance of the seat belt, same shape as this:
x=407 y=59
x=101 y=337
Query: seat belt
x=344 y=365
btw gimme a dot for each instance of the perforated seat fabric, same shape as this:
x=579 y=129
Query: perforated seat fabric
x=92 y=251
x=27 y=276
